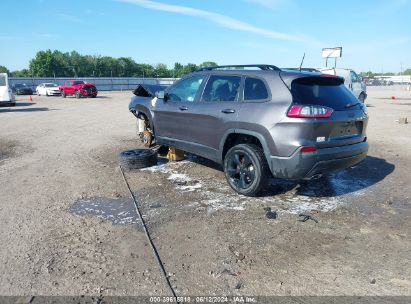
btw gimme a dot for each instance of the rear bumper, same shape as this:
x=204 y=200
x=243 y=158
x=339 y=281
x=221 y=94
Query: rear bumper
x=306 y=165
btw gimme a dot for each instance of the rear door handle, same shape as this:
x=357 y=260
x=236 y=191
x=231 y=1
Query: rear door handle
x=228 y=111
x=183 y=108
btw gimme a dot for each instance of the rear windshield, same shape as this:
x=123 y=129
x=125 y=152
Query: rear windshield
x=2 y=81
x=324 y=91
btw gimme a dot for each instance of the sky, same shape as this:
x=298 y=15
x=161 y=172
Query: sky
x=374 y=34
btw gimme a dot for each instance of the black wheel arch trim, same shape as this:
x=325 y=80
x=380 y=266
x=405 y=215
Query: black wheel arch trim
x=144 y=110
x=259 y=136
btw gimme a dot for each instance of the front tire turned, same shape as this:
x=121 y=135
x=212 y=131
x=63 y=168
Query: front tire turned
x=361 y=97
x=246 y=169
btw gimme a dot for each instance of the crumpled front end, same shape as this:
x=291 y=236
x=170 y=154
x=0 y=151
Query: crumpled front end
x=89 y=91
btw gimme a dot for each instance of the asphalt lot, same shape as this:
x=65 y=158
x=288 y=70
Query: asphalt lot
x=67 y=226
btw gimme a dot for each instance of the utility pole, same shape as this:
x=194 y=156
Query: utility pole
x=402 y=78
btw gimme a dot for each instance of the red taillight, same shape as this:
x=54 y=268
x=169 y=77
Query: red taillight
x=308 y=149
x=310 y=111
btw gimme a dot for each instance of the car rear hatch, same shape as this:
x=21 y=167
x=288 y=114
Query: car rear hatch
x=327 y=113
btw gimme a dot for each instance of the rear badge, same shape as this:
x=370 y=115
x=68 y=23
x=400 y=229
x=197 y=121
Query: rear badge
x=320 y=139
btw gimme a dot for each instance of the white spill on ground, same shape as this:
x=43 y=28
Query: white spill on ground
x=323 y=195
x=120 y=211
x=181 y=181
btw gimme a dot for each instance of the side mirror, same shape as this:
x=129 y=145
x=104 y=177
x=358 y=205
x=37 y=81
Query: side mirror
x=160 y=94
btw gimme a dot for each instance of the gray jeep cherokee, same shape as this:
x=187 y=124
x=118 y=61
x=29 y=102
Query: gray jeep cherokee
x=259 y=121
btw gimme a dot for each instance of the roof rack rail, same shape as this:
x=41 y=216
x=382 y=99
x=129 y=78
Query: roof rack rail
x=312 y=70
x=264 y=67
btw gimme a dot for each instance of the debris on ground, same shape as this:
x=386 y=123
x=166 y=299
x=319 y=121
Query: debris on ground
x=403 y=120
x=306 y=217
x=229 y=272
x=271 y=215
x=240 y=256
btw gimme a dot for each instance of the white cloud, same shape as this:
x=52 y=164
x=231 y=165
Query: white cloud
x=46 y=35
x=222 y=20
x=69 y=18
x=271 y=4
x=384 y=7
x=8 y=37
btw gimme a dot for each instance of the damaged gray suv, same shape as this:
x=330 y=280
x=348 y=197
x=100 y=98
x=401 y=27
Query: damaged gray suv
x=258 y=121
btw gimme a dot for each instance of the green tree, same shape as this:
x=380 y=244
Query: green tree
x=46 y=64
x=3 y=69
x=206 y=64
x=367 y=74
x=161 y=71
x=407 y=72
x=178 y=70
x=189 y=68
x=128 y=67
x=21 y=73
x=73 y=64
x=147 y=70
x=107 y=67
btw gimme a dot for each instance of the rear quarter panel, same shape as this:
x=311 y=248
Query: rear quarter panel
x=262 y=117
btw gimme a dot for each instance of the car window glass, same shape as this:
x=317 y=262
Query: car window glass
x=354 y=77
x=185 y=90
x=2 y=80
x=255 y=89
x=322 y=91
x=222 y=88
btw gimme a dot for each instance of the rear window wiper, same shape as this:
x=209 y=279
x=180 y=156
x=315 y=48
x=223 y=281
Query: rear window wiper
x=350 y=105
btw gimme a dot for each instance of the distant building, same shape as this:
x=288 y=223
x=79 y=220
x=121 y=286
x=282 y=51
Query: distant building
x=404 y=79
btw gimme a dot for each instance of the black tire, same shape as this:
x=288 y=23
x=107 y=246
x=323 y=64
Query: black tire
x=63 y=94
x=246 y=169
x=361 y=97
x=78 y=95
x=138 y=158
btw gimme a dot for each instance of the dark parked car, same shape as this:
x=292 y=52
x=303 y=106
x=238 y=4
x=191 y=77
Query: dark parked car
x=260 y=121
x=21 y=89
x=375 y=82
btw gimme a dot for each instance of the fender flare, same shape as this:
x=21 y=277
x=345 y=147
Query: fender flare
x=144 y=110
x=259 y=136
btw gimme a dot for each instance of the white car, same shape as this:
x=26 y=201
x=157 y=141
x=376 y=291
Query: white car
x=6 y=94
x=351 y=80
x=48 y=89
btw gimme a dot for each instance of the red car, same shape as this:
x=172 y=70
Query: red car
x=78 y=88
